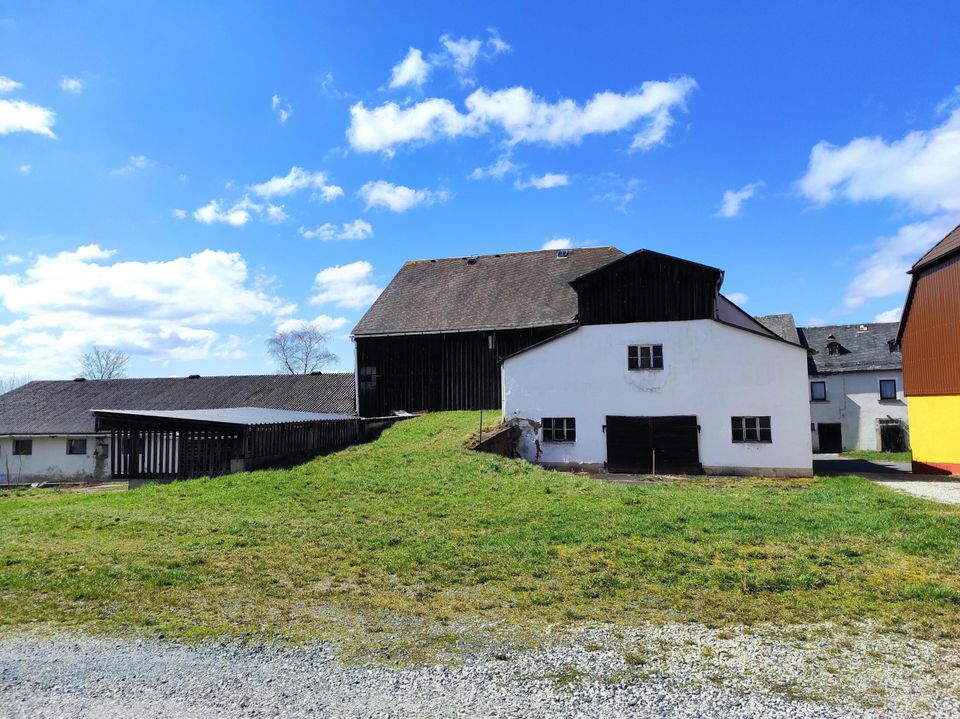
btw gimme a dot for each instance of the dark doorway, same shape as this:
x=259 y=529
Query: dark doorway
x=892 y=436
x=830 y=437
x=635 y=443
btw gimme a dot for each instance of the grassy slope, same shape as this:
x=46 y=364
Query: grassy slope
x=412 y=527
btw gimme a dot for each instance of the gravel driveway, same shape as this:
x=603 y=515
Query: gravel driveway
x=662 y=671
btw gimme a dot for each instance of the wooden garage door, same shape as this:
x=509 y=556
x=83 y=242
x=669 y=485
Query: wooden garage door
x=632 y=443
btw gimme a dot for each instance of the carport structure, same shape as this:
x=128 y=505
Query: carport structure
x=167 y=445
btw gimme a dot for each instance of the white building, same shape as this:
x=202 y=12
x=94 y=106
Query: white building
x=856 y=385
x=661 y=369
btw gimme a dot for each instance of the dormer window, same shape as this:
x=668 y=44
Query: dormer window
x=834 y=348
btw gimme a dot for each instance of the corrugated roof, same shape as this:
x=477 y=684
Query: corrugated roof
x=63 y=407
x=505 y=291
x=783 y=325
x=861 y=347
x=949 y=245
x=228 y=415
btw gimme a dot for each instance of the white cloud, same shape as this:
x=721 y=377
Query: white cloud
x=346 y=285
x=165 y=310
x=25 y=169
x=738 y=298
x=239 y=213
x=544 y=182
x=323 y=323
x=521 y=116
x=558 y=243
x=356 y=230
x=883 y=273
x=282 y=108
x=136 y=163
x=462 y=53
x=398 y=198
x=891 y=315
x=921 y=169
x=71 y=84
x=8 y=85
x=12 y=259
x=412 y=70
x=178 y=214
x=497 y=170
x=295 y=180
x=734 y=199
x=21 y=116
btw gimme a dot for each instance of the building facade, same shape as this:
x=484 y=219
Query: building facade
x=662 y=374
x=49 y=432
x=856 y=385
x=929 y=336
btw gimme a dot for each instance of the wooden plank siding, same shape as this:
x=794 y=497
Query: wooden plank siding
x=437 y=372
x=931 y=335
x=168 y=450
x=647 y=287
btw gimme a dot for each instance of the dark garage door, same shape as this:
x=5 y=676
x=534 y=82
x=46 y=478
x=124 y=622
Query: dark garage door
x=829 y=437
x=632 y=441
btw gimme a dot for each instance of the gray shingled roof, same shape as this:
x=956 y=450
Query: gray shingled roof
x=63 y=407
x=782 y=325
x=505 y=291
x=863 y=347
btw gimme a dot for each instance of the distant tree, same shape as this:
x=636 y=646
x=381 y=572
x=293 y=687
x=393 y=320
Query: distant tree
x=12 y=381
x=103 y=363
x=300 y=351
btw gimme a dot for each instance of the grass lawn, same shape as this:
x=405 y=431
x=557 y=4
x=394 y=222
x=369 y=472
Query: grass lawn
x=413 y=539
x=878 y=456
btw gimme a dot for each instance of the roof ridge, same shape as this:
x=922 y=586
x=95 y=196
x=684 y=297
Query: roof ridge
x=187 y=377
x=509 y=254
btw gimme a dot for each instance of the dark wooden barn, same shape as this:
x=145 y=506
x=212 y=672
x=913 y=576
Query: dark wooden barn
x=434 y=338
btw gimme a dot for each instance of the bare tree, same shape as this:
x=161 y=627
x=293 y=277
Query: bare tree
x=10 y=382
x=300 y=351
x=103 y=363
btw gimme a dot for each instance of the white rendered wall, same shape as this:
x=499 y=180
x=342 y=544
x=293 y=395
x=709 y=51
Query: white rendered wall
x=711 y=370
x=853 y=400
x=49 y=461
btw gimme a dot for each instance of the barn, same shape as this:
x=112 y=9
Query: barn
x=434 y=338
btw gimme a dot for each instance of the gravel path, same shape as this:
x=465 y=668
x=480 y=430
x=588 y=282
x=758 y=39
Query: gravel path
x=943 y=491
x=661 y=671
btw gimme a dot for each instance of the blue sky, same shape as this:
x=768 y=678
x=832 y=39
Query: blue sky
x=178 y=179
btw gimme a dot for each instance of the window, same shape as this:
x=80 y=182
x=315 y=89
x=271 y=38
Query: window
x=23 y=446
x=888 y=389
x=368 y=379
x=751 y=429
x=645 y=357
x=76 y=446
x=559 y=429
x=818 y=391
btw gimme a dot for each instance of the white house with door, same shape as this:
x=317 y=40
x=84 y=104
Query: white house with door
x=661 y=374
x=856 y=385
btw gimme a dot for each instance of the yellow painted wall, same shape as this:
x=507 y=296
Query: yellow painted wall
x=935 y=428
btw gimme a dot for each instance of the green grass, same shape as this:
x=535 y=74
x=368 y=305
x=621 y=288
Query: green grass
x=878 y=456
x=412 y=540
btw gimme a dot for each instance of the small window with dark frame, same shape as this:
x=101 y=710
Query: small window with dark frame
x=751 y=429
x=23 y=446
x=559 y=429
x=645 y=357
x=77 y=446
x=888 y=389
x=818 y=391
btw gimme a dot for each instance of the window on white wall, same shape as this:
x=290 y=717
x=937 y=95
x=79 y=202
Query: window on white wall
x=751 y=429
x=23 y=446
x=818 y=391
x=559 y=429
x=645 y=357
x=888 y=389
x=76 y=446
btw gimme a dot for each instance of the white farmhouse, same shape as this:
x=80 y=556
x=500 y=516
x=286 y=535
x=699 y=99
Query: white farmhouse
x=856 y=384
x=662 y=373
